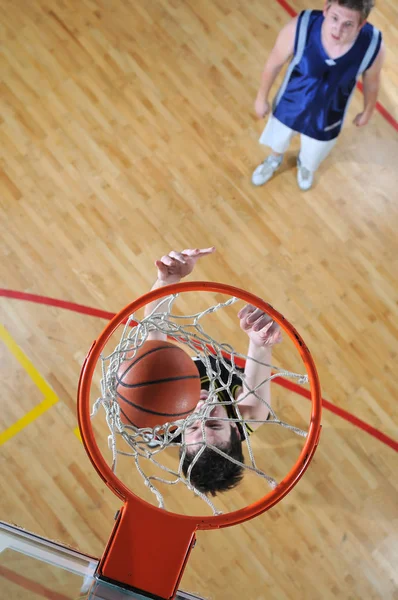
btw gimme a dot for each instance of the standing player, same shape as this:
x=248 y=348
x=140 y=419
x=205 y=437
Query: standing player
x=329 y=51
x=211 y=472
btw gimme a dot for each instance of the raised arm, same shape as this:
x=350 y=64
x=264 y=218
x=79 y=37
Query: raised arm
x=263 y=333
x=280 y=54
x=171 y=268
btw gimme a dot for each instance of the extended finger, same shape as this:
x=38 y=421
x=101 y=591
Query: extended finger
x=199 y=251
x=160 y=265
x=168 y=260
x=178 y=256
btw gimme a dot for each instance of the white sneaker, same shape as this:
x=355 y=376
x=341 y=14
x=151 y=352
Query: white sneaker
x=264 y=172
x=305 y=178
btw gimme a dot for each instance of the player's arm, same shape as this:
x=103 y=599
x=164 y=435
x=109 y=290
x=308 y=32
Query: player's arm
x=280 y=54
x=171 y=269
x=371 y=86
x=263 y=333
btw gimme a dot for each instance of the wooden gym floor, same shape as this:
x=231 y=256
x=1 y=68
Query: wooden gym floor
x=127 y=129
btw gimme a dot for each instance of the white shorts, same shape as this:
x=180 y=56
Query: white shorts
x=278 y=136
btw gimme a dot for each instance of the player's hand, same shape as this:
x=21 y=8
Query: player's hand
x=262 y=107
x=361 y=119
x=174 y=266
x=259 y=326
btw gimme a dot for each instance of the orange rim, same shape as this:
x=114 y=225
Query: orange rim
x=199 y=522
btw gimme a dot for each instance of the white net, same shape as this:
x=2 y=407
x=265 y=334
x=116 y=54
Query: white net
x=223 y=367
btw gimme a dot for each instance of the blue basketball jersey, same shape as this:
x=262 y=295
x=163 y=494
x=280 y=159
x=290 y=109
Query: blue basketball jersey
x=316 y=91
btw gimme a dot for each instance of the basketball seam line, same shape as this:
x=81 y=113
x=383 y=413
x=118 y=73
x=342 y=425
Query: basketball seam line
x=166 y=380
x=137 y=360
x=148 y=410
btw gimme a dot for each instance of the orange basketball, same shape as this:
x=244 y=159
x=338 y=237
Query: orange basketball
x=160 y=384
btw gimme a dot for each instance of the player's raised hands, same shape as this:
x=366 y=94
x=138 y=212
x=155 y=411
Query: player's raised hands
x=174 y=266
x=259 y=326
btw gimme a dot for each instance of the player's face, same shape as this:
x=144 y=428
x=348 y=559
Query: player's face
x=218 y=428
x=341 y=25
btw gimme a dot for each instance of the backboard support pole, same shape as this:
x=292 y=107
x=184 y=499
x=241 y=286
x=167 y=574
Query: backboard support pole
x=148 y=559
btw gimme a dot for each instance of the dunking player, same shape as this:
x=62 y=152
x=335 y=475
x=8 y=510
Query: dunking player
x=212 y=473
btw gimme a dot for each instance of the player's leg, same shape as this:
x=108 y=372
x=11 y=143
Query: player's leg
x=278 y=137
x=312 y=154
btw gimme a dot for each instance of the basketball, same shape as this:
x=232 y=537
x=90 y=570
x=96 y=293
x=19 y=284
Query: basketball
x=160 y=384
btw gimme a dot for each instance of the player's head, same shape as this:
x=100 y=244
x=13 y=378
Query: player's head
x=212 y=472
x=344 y=18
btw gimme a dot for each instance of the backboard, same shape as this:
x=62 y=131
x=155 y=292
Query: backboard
x=34 y=567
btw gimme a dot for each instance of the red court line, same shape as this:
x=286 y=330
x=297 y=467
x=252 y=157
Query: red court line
x=78 y=308
x=340 y=412
x=289 y=9
x=31 y=586
x=95 y=312
x=379 y=107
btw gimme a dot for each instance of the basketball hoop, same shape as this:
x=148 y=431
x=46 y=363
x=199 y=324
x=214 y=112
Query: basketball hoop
x=149 y=547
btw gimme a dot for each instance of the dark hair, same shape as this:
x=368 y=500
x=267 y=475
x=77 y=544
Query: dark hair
x=362 y=6
x=214 y=473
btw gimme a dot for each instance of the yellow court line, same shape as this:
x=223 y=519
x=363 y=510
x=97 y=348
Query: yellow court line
x=50 y=397
x=76 y=431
